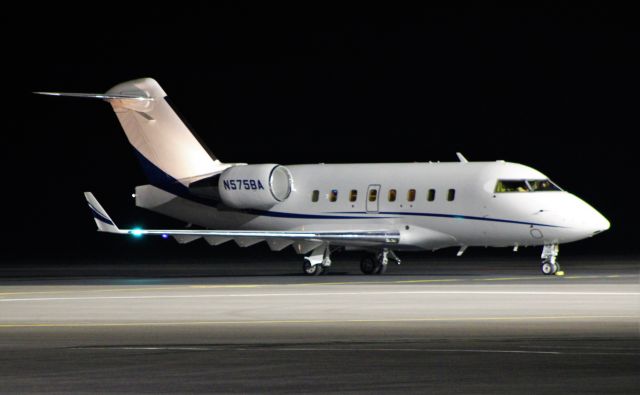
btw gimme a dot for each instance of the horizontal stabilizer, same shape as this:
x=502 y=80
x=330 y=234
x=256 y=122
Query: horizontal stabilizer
x=103 y=96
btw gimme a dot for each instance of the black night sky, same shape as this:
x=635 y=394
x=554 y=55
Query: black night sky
x=553 y=88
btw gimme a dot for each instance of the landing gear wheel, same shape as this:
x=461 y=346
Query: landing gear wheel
x=373 y=264
x=550 y=263
x=549 y=268
x=380 y=268
x=311 y=270
x=368 y=264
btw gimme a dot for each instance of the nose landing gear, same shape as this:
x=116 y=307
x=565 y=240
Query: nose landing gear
x=550 y=264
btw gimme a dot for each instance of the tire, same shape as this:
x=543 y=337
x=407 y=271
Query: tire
x=368 y=264
x=311 y=270
x=548 y=268
x=380 y=268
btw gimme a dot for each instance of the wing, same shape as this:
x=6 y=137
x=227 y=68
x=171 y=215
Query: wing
x=355 y=237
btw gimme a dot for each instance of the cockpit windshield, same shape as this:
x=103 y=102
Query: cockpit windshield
x=542 y=185
x=525 y=186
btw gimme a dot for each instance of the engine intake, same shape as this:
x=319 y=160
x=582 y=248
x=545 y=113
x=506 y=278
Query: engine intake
x=255 y=186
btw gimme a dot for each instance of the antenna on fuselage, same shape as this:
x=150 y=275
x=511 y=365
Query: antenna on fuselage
x=462 y=158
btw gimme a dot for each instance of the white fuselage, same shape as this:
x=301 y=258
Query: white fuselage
x=476 y=215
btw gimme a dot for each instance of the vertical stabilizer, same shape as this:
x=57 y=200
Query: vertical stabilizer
x=164 y=142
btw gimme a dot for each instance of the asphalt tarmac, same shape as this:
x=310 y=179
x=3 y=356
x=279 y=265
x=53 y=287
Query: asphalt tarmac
x=446 y=327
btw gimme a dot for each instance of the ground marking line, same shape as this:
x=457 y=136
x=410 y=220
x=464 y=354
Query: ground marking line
x=348 y=349
x=125 y=289
x=267 y=322
x=296 y=294
x=574 y=277
x=213 y=286
x=224 y=348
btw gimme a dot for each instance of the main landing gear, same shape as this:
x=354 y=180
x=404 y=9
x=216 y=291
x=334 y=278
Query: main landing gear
x=550 y=264
x=318 y=262
x=376 y=263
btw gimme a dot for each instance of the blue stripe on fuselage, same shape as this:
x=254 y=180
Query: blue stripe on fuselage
x=473 y=218
x=282 y=214
x=455 y=216
x=162 y=180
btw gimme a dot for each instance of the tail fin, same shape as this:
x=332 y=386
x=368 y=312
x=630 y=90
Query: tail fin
x=166 y=147
x=159 y=136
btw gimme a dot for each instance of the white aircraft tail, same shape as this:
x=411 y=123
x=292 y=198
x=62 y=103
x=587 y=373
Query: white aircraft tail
x=167 y=148
x=158 y=134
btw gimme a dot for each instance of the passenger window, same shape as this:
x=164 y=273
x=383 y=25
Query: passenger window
x=315 y=195
x=431 y=196
x=451 y=195
x=373 y=195
x=333 y=196
x=411 y=195
x=392 y=195
x=353 y=196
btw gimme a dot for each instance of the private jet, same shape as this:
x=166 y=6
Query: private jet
x=319 y=209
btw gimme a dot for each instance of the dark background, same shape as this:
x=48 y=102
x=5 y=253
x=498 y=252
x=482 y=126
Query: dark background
x=552 y=87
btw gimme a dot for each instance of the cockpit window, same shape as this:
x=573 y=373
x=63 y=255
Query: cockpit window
x=542 y=185
x=525 y=186
x=511 y=186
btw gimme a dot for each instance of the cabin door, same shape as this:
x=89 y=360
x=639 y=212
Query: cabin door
x=373 y=197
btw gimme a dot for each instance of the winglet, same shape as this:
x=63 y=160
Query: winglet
x=104 y=222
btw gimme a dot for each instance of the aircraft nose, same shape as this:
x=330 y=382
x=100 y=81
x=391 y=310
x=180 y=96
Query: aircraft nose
x=580 y=220
x=598 y=223
x=590 y=221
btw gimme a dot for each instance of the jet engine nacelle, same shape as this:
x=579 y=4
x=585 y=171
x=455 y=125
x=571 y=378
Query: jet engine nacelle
x=255 y=186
